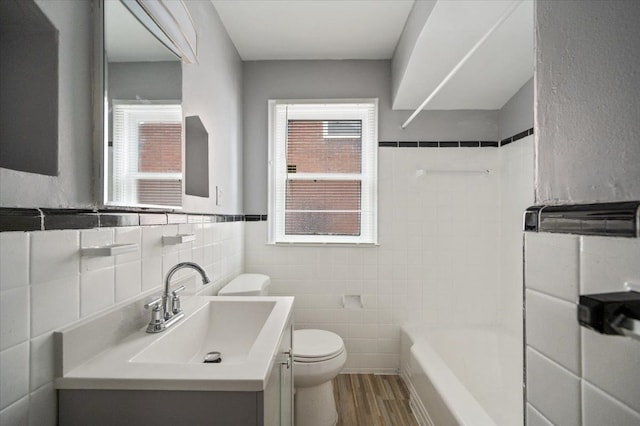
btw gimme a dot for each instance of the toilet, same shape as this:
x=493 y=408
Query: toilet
x=318 y=357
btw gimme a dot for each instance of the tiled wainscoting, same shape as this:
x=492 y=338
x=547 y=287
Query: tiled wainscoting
x=46 y=285
x=449 y=253
x=576 y=376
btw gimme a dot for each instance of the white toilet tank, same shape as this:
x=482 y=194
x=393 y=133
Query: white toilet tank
x=247 y=285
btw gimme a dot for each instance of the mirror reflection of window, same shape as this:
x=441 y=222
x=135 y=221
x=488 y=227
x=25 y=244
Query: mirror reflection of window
x=143 y=154
x=147 y=154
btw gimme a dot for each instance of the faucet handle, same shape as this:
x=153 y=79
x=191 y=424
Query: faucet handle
x=177 y=290
x=156 y=324
x=175 y=300
x=156 y=304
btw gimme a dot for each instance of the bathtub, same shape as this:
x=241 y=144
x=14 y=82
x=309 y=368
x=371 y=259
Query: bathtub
x=469 y=376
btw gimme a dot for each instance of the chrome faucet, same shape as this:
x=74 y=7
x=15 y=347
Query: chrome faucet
x=163 y=316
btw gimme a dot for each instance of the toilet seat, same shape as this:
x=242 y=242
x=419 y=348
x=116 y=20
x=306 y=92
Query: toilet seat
x=316 y=345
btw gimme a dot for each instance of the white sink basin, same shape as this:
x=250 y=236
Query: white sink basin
x=246 y=330
x=228 y=327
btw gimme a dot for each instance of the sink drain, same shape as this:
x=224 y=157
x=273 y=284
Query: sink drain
x=212 y=357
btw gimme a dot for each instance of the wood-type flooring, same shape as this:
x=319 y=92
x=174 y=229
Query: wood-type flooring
x=372 y=400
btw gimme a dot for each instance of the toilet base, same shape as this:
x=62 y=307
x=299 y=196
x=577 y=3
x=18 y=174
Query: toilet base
x=315 y=406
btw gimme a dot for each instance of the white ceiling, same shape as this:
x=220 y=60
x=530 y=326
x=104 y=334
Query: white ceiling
x=370 y=29
x=314 y=29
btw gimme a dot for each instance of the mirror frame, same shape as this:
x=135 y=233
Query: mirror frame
x=100 y=97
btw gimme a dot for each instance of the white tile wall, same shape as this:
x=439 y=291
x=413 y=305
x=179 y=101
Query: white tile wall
x=552 y=390
x=14 y=364
x=54 y=304
x=17 y=414
x=552 y=265
x=434 y=263
x=606 y=264
x=14 y=260
x=552 y=329
x=42 y=363
x=14 y=316
x=97 y=291
x=535 y=418
x=613 y=364
x=128 y=280
x=46 y=285
x=43 y=406
x=607 y=366
x=598 y=409
x=54 y=254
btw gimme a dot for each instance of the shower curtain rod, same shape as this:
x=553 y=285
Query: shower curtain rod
x=464 y=59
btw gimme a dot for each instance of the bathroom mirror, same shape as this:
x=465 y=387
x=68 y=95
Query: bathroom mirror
x=142 y=118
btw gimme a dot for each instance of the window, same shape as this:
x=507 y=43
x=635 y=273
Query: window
x=323 y=171
x=147 y=154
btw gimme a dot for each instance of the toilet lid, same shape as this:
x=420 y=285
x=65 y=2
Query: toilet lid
x=310 y=345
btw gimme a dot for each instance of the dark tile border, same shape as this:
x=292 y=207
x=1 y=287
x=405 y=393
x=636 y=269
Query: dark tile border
x=18 y=219
x=469 y=144
x=382 y=144
x=620 y=219
x=455 y=144
x=428 y=144
x=449 y=144
x=410 y=144
x=70 y=219
x=21 y=220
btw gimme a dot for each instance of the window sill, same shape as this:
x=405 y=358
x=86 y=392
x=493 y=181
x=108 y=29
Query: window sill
x=291 y=244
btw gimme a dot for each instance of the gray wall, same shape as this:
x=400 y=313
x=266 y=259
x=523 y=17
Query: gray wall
x=147 y=80
x=73 y=185
x=264 y=80
x=517 y=114
x=587 y=101
x=212 y=89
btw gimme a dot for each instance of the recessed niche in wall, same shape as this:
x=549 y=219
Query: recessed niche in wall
x=28 y=89
x=196 y=157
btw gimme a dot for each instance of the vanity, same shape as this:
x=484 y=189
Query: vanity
x=162 y=378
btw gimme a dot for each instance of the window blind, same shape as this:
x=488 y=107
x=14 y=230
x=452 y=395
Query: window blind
x=323 y=168
x=147 y=154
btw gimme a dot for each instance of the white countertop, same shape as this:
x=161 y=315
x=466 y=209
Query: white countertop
x=114 y=368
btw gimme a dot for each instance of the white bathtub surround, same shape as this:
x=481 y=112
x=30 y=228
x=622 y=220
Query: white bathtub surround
x=448 y=385
x=449 y=253
x=47 y=285
x=596 y=377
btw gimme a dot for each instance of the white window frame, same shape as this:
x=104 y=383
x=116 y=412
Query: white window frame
x=125 y=159
x=343 y=109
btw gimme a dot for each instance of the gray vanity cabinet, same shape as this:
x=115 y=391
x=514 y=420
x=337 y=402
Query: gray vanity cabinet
x=272 y=406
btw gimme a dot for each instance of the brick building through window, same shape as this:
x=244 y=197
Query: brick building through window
x=323 y=207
